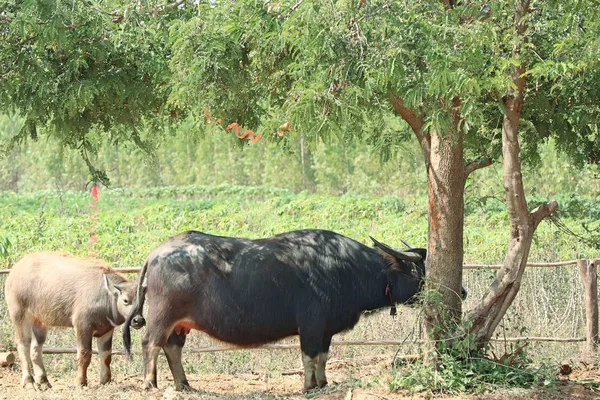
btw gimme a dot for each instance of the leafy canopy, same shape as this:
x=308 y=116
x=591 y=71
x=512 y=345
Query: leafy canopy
x=331 y=69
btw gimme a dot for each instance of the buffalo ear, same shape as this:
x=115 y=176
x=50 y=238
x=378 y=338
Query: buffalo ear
x=113 y=289
x=402 y=255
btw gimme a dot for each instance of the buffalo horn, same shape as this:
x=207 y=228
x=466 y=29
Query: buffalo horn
x=403 y=255
x=406 y=244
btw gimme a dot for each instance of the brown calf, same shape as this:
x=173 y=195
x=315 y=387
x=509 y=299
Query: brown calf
x=49 y=289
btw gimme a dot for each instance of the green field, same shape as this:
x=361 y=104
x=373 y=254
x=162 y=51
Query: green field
x=130 y=222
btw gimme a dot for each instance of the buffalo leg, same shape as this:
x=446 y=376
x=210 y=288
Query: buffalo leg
x=155 y=338
x=37 y=343
x=173 y=350
x=322 y=361
x=151 y=352
x=310 y=346
x=84 y=353
x=105 y=352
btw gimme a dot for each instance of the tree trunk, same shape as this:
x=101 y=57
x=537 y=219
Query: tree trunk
x=446 y=178
x=446 y=170
x=488 y=314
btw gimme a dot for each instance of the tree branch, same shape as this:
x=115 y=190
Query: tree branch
x=97 y=9
x=477 y=164
x=176 y=3
x=416 y=122
x=294 y=8
x=514 y=102
x=169 y=6
x=544 y=211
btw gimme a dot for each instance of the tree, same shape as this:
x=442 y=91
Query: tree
x=456 y=72
x=522 y=222
x=470 y=81
x=77 y=70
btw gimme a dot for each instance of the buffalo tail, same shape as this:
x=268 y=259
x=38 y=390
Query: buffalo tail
x=136 y=311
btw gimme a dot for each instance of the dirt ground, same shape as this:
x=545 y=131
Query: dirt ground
x=344 y=385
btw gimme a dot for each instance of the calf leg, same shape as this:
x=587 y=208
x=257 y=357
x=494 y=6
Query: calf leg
x=105 y=352
x=37 y=343
x=173 y=350
x=23 y=325
x=322 y=361
x=84 y=353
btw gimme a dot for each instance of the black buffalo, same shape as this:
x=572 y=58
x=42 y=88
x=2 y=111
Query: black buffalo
x=312 y=283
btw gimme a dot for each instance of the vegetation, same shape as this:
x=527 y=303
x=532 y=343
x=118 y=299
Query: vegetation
x=456 y=74
x=208 y=155
x=132 y=221
x=460 y=84
x=466 y=367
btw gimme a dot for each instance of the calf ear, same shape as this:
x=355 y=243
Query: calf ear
x=111 y=287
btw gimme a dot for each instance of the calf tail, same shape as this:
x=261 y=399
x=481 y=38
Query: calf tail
x=135 y=317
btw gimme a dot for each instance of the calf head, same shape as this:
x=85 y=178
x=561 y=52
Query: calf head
x=122 y=296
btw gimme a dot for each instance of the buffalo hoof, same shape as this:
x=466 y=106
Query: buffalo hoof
x=148 y=386
x=184 y=387
x=28 y=383
x=43 y=385
x=309 y=388
x=314 y=387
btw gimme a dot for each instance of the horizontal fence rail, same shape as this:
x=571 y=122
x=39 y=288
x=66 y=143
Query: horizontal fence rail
x=291 y=346
x=586 y=270
x=466 y=266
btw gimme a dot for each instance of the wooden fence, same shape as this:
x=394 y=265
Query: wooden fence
x=587 y=270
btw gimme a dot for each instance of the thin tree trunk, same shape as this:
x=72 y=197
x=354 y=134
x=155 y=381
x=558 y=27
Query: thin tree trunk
x=488 y=314
x=302 y=162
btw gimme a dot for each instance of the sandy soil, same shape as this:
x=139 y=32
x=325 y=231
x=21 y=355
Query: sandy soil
x=343 y=386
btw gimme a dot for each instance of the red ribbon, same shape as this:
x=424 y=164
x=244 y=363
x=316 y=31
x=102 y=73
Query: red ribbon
x=94 y=220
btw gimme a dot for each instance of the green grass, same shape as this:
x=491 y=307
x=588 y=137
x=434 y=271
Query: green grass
x=130 y=222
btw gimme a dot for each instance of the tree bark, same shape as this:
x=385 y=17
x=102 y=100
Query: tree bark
x=416 y=122
x=446 y=180
x=492 y=308
x=446 y=171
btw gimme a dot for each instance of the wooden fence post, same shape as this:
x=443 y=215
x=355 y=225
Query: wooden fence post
x=589 y=278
